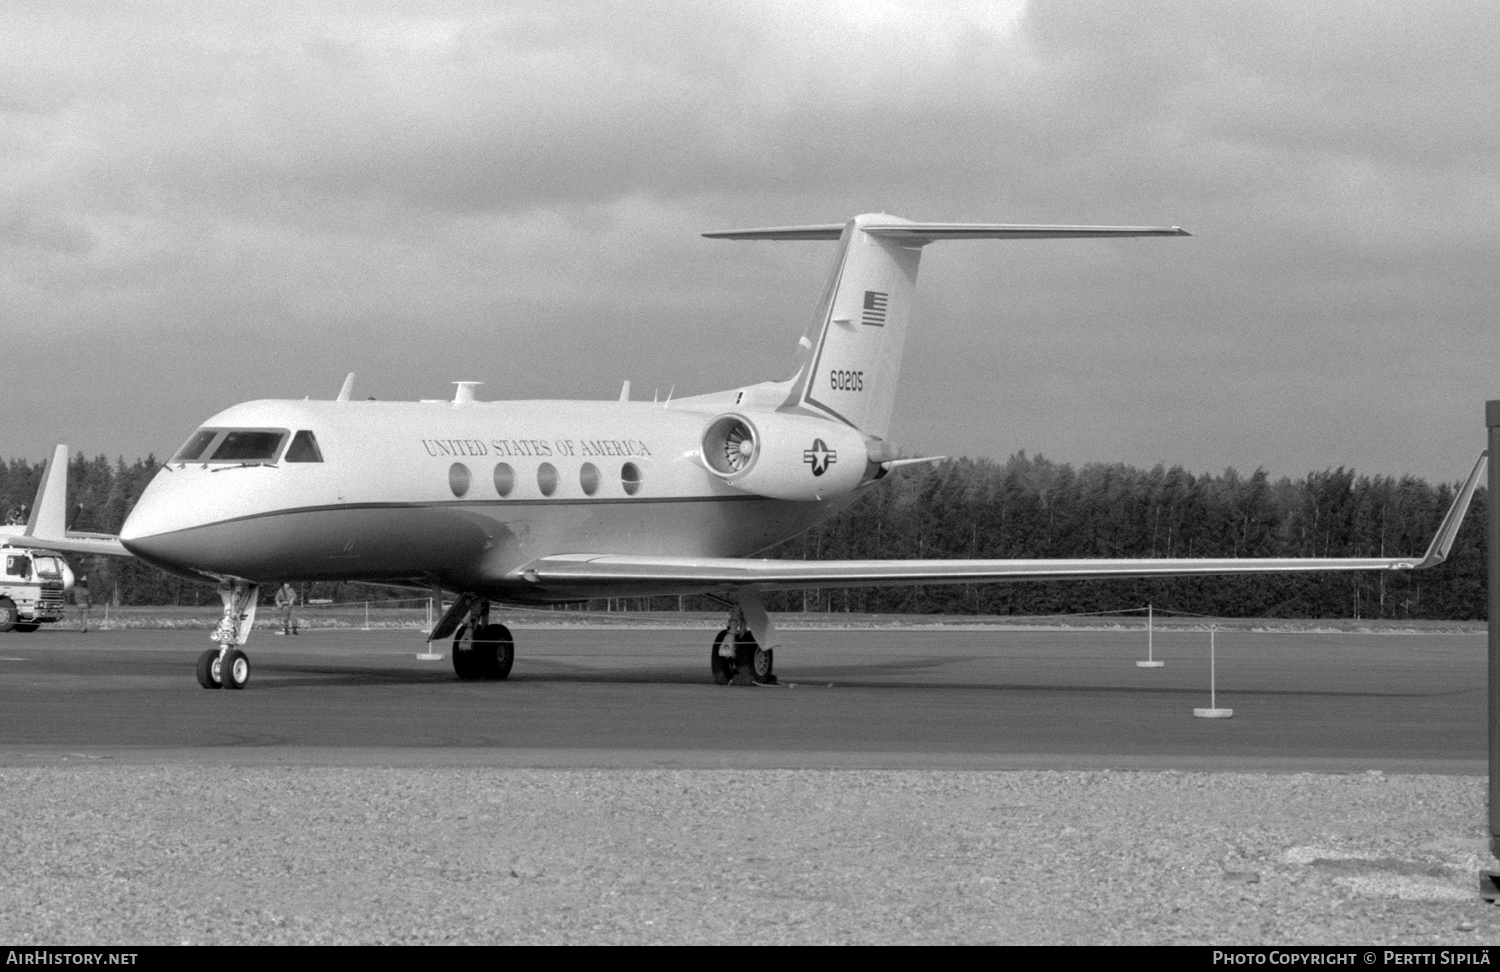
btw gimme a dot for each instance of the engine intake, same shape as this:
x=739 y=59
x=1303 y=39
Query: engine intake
x=785 y=456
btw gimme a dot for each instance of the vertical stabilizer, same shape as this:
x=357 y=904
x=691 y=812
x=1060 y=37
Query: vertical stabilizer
x=851 y=370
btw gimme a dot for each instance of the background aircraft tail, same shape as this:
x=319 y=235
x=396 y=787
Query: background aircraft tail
x=851 y=355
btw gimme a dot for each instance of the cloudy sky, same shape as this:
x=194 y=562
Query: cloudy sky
x=205 y=204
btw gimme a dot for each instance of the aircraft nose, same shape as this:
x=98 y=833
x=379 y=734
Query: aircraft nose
x=174 y=552
x=163 y=531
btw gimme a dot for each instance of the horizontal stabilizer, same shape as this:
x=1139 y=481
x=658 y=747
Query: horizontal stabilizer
x=826 y=231
x=921 y=233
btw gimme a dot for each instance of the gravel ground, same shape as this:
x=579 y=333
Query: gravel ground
x=101 y=854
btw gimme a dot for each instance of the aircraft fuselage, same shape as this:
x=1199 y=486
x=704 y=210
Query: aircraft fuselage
x=454 y=494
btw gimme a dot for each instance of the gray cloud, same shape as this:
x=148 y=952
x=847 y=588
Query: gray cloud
x=467 y=191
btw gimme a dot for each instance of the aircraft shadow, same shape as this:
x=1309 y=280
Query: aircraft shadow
x=881 y=676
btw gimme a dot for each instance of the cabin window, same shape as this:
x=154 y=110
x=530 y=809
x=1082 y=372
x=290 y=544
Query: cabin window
x=505 y=479
x=458 y=478
x=304 y=448
x=249 y=445
x=18 y=566
x=546 y=478
x=630 y=478
x=588 y=478
x=195 y=446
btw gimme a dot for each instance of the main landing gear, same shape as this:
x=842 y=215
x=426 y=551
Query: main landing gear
x=480 y=649
x=737 y=657
x=227 y=666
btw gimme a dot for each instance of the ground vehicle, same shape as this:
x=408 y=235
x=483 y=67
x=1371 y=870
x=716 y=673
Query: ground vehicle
x=33 y=584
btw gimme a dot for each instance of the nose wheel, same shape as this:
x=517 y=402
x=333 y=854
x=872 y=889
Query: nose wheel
x=220 y=669
x=208 y=669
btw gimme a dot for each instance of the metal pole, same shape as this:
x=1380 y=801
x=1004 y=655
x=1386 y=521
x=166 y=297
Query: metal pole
x=1492 y=557
x=1212 y=672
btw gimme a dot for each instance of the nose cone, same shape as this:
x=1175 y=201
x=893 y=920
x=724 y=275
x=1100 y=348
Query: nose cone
x=186 y=519
x=161 y=533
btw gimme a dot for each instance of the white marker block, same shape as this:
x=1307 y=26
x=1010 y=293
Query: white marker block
x=430 y=656
x=1149 y=664
x=1213 y=713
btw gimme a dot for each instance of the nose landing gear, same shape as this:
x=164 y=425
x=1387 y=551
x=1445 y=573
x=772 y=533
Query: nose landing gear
x=226 y=666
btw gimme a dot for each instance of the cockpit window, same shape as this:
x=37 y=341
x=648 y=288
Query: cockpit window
x=232 y=445
x=249 y=445
x=304 y=448
x=195 y=445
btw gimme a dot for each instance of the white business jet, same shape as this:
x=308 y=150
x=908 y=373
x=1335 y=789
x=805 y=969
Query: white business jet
x=541 y=502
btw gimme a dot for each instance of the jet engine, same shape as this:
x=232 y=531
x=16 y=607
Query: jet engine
x=788 y=457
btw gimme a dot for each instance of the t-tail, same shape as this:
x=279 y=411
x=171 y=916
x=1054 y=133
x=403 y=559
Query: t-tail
x=851 y=355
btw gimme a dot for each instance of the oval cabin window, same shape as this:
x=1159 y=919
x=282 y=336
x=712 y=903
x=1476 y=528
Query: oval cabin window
x=588 y=478
x=546 y=478
x=458 y=478
x=505 y=479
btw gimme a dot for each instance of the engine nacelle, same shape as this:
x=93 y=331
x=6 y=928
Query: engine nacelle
x=788 y=457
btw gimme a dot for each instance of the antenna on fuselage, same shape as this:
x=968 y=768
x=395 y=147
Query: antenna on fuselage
x=347 y=390
x=625 y=391
x=465 y=391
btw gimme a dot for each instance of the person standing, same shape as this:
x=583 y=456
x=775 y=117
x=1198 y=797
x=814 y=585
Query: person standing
x=286 y=600
x=81 y=600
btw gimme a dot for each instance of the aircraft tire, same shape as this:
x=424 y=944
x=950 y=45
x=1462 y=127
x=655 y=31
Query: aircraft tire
x=497 y=651
x=8 y=614
x=208 y=669
x=468 y=659
x=762 y=666
x=722 y=668
x=234 y=670
x=752 y=663
x=27 y=627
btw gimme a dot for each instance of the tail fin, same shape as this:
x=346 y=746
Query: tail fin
x=851 y=357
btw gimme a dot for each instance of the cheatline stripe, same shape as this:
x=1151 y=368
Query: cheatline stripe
x=441 y=504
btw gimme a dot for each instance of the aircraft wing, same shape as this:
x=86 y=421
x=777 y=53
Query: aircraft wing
x=597 y=575
x=47 y=527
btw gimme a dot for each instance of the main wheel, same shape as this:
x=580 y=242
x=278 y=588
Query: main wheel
x=208 y=669
x=8 y=614
x=759 y=662
x=468 y=659
x=723 y=668
x=234 y=670
x=753 y=663
x=497 y=651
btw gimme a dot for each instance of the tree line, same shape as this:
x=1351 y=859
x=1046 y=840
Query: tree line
x=1023 y=507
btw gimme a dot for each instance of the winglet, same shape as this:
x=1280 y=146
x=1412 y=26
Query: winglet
x=1447 y=531
x=50 y=509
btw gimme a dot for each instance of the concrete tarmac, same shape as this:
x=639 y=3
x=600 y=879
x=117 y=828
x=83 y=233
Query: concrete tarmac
x=637 y=697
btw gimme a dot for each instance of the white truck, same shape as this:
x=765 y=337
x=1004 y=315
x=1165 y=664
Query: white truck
x=33 y=588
